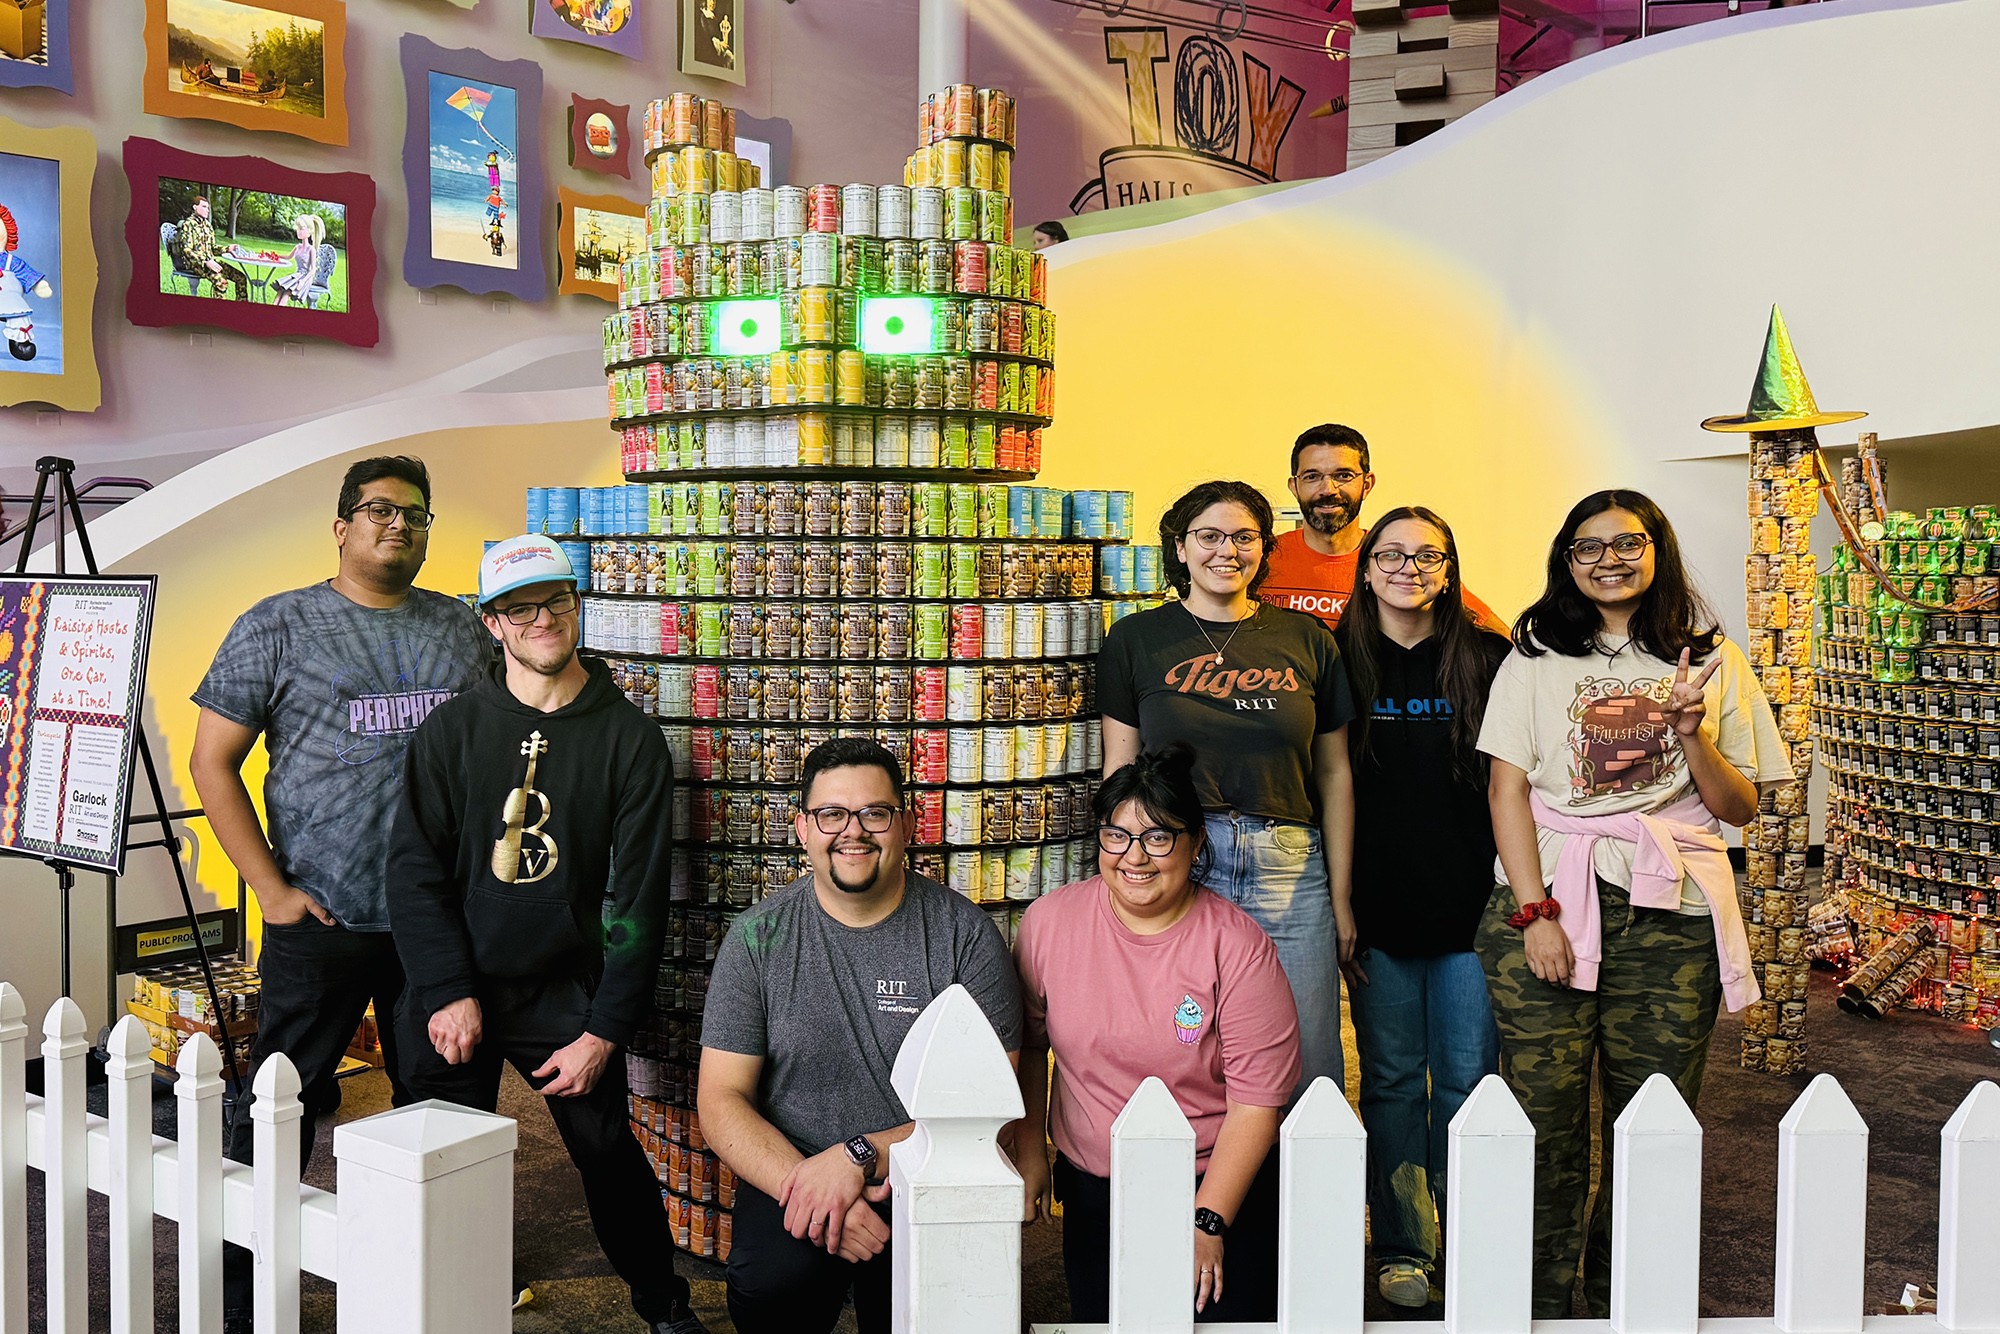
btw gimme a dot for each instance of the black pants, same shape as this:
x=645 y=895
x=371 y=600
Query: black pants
x=1249 y=1249
x=523 y=1022
x=779 y=1284
x=318 y=981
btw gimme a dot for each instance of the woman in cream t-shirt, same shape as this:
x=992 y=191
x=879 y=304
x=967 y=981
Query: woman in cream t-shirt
x=1622 y=731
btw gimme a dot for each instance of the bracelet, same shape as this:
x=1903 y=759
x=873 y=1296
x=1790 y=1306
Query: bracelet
x=1547 y=907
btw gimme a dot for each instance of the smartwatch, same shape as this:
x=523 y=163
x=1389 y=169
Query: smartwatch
x=1209 y=1221
x=861 y=1152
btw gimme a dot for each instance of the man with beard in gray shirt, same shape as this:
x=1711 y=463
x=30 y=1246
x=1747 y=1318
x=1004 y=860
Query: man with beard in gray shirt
x=812 y=994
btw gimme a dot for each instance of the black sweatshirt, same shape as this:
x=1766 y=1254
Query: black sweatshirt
x=465 y=907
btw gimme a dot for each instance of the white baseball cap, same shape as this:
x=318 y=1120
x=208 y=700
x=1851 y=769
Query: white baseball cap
x=520 y=561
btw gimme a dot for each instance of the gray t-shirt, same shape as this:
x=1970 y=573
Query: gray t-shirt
x=827 y=1006
x=337 y=688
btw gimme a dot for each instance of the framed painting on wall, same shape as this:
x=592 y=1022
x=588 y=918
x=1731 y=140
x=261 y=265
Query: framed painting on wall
x=34 y=44
x=275 y=65
x=242 y=243
x=598 y=139
x=608 y=25
x=471 y=168
x=48 y=267
x=594 y=235
x=712 y=39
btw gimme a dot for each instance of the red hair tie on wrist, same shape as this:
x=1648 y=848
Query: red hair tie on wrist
x=1547 y=907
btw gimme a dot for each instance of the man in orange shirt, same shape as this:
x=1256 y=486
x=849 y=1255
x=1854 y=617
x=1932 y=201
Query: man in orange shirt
x=1313 y=568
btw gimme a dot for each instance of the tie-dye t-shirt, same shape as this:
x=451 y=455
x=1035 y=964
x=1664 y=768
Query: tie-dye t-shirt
x=1591 y=735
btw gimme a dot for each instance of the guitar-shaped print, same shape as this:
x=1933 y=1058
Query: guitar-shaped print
x=509 y=855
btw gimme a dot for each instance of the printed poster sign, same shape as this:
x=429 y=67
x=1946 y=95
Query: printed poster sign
x=72 y=682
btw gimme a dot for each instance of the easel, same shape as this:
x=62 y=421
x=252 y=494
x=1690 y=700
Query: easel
x=63 y=471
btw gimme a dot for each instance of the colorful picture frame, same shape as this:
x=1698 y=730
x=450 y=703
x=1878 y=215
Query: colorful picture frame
x=34 y=45
x=266 y=270
x=712 y=42
x=600 y=137
x=594 y=234
x=474 y=132
x=277 y=65
x=45 y=184
x=608 y=25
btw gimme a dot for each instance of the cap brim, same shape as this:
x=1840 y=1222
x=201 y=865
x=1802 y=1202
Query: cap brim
x=1780 y=424
x=526 y=581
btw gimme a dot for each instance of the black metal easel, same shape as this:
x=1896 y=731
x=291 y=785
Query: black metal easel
x=63 y=471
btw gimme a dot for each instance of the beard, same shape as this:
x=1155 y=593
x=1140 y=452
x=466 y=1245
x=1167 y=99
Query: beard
x=1330 y=515
x=874 y=876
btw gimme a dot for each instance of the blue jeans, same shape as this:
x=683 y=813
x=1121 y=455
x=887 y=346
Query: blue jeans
x=1274 y=870
x=1424 y=1034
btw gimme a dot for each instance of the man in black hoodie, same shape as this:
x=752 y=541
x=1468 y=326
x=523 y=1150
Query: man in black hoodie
x=520 y=795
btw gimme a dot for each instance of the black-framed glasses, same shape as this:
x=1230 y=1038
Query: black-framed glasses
x=1157 y=842
x=874 y=819
x=526 y=613
x=1625 y=546
x=1214 y=539
x=1430 y=561
x=382 y=514
x=1340 y=477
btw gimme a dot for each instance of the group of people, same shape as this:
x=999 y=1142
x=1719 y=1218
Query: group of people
x=1324 y=759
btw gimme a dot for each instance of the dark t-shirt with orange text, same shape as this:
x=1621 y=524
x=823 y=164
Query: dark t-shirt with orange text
x=1303 y=580
x=1251 y=718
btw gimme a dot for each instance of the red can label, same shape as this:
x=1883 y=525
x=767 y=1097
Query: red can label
x=823 y=208
x=969 y=266
x=927 y=750
x=927 y=691
x=930 y=816
x=968 y=631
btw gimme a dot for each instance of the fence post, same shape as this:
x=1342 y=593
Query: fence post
x=66 y=1172
x=198 y=1087
x=13 y=1162
x=426 y=1199
x=956 y=1225
x=1968 y=1212
x=1822 y=1212
x=1152 y=1214
x=276 y=1111
x=1322 y=1194
x=1489 y=1214
x=128 y=1073
x=1656 y=1213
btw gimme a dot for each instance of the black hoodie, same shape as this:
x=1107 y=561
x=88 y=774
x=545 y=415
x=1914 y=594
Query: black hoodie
x=486 y=882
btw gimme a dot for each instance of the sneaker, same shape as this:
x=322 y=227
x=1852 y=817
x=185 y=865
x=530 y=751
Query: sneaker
x=1404 y=1285
x=523 y=1296
x=684 y=1323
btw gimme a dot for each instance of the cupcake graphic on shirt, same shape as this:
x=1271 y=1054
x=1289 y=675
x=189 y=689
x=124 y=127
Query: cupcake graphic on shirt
x=1187 y=1021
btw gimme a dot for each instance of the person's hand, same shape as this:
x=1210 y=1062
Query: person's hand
x=455 y=1031
x=1037 y=1192
x=576 y=1067
x=865 y=1234
x=1685 y=706
x=1207 y=1269
x=214 y=266
x=42 y=289
x=1549 y=954
x=283 y=905
x=817 y=1194
x=1343 y=932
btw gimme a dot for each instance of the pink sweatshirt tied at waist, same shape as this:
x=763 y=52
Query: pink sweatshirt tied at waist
x=1681 y=841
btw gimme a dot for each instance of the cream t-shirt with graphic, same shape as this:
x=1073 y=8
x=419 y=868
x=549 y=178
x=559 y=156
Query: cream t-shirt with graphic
x=1592 y=735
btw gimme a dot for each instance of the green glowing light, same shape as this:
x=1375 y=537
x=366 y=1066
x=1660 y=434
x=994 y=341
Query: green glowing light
x=746 y=328
x=893 y=325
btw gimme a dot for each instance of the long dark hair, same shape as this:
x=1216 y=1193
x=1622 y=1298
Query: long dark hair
x=1183 y=512
x=1671 y=614
x=1162 y=783
x=1467 y=655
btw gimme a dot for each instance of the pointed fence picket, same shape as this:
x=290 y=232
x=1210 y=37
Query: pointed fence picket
x=410 y=1179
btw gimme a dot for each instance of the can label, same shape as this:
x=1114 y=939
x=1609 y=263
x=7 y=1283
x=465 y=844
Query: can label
x=999 y=630
x=962 y=817
x=929 y=756
x=892 y=579
x=927 y=695
x=855 y=694
x=930 y=634
x=996 y=812
x=857 y=570
x=963 y=694
x=996 y=694
x=965 y=761
x=817 y=630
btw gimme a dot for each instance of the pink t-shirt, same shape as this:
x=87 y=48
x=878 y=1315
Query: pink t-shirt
x=1204 y=1005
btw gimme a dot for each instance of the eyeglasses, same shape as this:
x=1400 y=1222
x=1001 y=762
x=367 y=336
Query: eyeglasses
x=874 y=819
x=1115 y=839
x=1342 y=478
x=1388 y=560
x=525 y=613
x=1625 y=546
x=382 y=513
x=1213 y=539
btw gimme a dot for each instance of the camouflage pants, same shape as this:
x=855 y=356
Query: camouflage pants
x=1654 y=1008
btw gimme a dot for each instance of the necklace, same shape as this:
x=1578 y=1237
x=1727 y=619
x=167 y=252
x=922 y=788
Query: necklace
x=1611 y=655
x=1204 y=629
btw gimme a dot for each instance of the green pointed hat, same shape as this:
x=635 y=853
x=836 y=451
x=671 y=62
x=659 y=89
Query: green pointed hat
x=1781 y=400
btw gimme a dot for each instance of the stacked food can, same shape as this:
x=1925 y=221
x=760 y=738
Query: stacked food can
x=1906 y=713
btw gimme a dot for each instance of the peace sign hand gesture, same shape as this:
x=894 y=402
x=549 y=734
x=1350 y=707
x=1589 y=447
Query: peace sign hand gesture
x=1686 y=707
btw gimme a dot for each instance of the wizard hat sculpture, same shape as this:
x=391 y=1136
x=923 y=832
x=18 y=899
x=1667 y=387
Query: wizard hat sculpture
x=1780 y=400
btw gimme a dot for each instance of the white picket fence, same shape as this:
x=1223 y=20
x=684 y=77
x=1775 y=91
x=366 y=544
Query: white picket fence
x=425 y=1194
x=957 y=1256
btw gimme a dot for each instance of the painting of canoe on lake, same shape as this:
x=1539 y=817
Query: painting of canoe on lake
x=270 y=66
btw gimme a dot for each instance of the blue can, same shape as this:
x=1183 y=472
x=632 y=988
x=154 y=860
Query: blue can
x=1087 y=513
x=1149 y=575
x=1115 y=570
x=538 y=510
x=1020 y=511
x=564 y=508
x=1118 y=515
x=590 y=511
x=1051 y=511
x=579 y=560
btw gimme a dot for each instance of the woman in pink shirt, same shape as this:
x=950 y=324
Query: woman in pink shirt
x=1140 y=971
